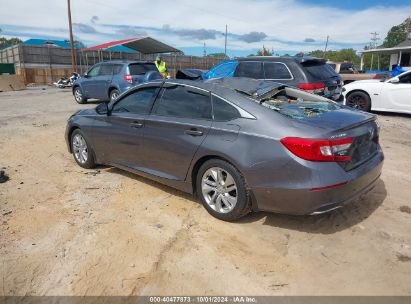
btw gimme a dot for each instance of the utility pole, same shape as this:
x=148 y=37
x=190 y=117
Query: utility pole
x=326 y=45
x=374 y=39
x=205 y=50
x=225 y=43
x=73 y=55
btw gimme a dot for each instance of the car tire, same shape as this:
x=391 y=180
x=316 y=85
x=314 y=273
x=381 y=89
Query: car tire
x=114 y=94
x=222 y=190
x=78 y=96
x=82 y=152
x=359 y=100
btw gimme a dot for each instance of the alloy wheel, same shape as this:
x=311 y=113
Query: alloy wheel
x=80 y=149
x=357 y=102
x=219 y=190
x=77 y=95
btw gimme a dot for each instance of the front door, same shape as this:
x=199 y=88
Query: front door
x=399 y=94
x=121 y=132
x=175 y=129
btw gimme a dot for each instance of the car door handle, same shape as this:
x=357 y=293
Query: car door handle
x=136 y=124
x=193 y=132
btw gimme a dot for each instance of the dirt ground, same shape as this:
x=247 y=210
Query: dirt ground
x=65 y=230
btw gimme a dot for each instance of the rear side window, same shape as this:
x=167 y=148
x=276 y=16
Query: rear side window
x=117 y=69
x=180 y=101
x=223 y=111
x=319 y=71
x=141 y=68
x=137 y=102
x=276 y=70
x=250 y=69
x=106 y=69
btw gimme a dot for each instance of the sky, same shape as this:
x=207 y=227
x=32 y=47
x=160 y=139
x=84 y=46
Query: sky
x=284 y=26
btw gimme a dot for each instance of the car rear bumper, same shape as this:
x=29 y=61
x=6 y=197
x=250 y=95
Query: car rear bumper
x=295 y=201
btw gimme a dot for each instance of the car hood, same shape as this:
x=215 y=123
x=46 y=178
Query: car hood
x=86 y=112
x=364 y=81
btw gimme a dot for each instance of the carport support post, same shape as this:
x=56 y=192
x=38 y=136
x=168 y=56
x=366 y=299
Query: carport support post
x=362 y=62
x=399 y=58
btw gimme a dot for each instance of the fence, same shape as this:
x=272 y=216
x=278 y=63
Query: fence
x=46 y=64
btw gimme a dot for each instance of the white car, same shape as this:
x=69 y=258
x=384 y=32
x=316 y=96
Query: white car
x=392 y=95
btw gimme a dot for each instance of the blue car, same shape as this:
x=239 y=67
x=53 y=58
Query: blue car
x=107 y=80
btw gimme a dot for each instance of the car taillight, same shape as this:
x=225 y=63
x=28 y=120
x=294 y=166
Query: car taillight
x=312 y=86
x=327 y=150
x=128 y=78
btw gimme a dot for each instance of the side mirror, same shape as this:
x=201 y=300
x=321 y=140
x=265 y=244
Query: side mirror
x=102 y=108
x=394 y=80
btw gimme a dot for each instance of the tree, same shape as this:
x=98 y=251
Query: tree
x=4 y=42
x=396 y=35
x=264 y=52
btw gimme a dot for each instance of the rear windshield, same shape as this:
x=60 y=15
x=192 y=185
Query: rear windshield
x=298 y=105
x=320 y=71
x=141 y=68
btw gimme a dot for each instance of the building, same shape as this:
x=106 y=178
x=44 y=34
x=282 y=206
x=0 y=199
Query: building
x=400 y=54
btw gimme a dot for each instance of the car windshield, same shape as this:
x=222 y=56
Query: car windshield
x=141 y=68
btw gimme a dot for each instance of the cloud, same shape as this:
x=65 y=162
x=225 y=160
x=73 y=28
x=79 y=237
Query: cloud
x=309 y=40
x=253 y=37
x=94 y=19
x=131 y=31
x=84 y=28
x=199 y=34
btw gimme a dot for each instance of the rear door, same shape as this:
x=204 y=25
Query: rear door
x=175 y=129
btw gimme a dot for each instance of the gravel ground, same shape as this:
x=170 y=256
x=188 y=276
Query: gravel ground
x=65 y=230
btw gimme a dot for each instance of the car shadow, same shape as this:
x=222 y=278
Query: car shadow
x=391 y=114
x=330 y=222
x=153 y=183
x=327 y=223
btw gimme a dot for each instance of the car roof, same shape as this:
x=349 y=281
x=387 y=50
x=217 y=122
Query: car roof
x=281 y=59
x=248 y=86
x=126 y=61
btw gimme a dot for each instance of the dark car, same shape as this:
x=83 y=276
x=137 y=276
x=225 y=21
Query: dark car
x=239 y=144
x=306 y=73
x=107 y=80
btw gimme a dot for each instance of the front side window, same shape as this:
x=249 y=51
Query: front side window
x=94 y=71
x=405 y=78
x=276 y=70
x=250 y=69
x=137 y=102
x=181 y=101
x=223 y=111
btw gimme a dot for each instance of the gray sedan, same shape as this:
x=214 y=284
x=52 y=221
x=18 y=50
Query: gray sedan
x=239 y=144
